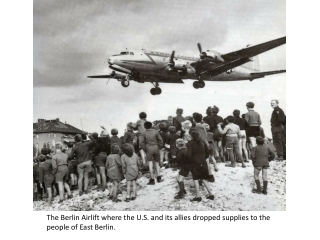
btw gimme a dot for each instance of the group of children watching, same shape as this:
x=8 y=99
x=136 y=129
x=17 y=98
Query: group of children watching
x=190 y=144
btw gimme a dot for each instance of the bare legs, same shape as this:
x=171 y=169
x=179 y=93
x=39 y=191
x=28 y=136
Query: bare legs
x=103 y=177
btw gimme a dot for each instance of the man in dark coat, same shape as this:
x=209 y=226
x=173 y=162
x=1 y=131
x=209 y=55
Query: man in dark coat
x=278 y=123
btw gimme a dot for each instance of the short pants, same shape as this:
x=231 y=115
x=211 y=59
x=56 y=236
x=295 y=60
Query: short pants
x=232 y=143
x=253 y=131
x=185 y=169
x=84 y=167
x=48 y=181
x=101 y=159
x=72 y=165
x=243 y=134
x=62 y=174
x=217 y=135
x=260 y=168
x=153 y=153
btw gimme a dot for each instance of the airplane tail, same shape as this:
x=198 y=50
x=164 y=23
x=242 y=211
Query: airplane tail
x=253 y=64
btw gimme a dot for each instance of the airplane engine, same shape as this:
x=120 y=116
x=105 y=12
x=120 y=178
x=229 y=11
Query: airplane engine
x=214 y=56
x=181 y=68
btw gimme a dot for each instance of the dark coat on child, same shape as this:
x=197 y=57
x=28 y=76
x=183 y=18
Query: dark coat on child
x=260 y=155
x=130 y=166
x=197 y=153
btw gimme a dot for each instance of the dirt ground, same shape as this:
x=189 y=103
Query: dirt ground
x=232 y=191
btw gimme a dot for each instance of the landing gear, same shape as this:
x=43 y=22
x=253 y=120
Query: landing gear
x=199 y=84
x=156 y=90
x=125 y=83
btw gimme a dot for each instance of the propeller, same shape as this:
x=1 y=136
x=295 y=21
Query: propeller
x=203 y=55
x=171 y=62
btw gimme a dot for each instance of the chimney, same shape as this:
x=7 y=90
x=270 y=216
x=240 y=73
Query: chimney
x=57 y=119
x=40 y=123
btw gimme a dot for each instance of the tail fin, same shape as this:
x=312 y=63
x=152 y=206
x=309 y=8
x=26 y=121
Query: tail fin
x=253 y=64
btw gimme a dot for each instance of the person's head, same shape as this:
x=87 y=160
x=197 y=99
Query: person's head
x=243 y=116
x=84 y=136
x=260 y=140
x=77 y=138
x=236 y=113
x=36 y=159
x=186 y=125
x=230 y=119
x=215 y=110
x=129 y=126
x=147 y=125
x=180 y=143
x=274 y=103
x=70 y=144
x=114 y=132
x=59 y=146
x=42 y=158
x=94 y=136
x=162 y=127
x=115 y=149
x=127 y=149
x=197 y=117
x=209 y=111
x=195 y=136
x=250 y=105
x=44 y=151
x=104 y=133
x=172 y=129
x=142 y=115
x=179 y=111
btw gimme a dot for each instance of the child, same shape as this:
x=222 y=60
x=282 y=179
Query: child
x=260 y=155
x=60 y=168
x=46 y=177
x=171 y=143
x=164 y=134
x=130 y=169
x=72 y=166
x=186 y=126
x=197 y=153
x=185 y=166
x=115 y=139
x=254 y=121
x=114 y=171
x=129 y=134
x=151 y=142
x=211 y=149
x=176 y=121
x=140 y=127
x=232 y=132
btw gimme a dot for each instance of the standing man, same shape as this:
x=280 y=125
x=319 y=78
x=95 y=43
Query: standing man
x=278 y=122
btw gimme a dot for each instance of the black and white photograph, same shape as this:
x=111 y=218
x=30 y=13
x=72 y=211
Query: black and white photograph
x=159 y=105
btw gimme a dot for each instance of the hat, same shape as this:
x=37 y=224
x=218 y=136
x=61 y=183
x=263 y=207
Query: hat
x=236 y=112
x=186 y=125
x=179 y=111
x=180 y=143
x=215 y=109
x=230 y=118
x=114 y=131
x=147 y=125
x=104 y=133
x=260 y=140
x=250 y=105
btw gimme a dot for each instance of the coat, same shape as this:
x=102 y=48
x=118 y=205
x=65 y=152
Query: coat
x=197 y=153
x=260 y=155
x=130 y=166
x=113 y=167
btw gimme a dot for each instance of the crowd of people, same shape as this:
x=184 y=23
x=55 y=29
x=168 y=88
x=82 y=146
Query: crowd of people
x=189 y=144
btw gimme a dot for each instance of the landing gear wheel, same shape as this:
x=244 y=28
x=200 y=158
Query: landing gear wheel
x=158 y=91
x=153 y=91
x=196 y=85
x=125 y=83
x=201 y=84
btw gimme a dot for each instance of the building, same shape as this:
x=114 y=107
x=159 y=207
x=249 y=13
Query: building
x=47 y=132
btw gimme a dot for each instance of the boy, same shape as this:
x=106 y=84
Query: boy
x=232 y=132
x=151 y=142
x=129 y=134
x=46 y=177
x=140 y=127
x=260 y=155
x=171 y=144
x=178 y=119
x=254 y=121
x=115 y=139
x=216 y=135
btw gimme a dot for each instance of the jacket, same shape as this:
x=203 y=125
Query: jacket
x=113 y=167
x=59 y=159
x=177 y=122
x=151 y=137
x=128 y=137
x=253 y=118
x=278 y=117
x=82 y=151
x=260 y=155
x=45 y=171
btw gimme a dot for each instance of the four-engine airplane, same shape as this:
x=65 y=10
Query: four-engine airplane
x=155 y=67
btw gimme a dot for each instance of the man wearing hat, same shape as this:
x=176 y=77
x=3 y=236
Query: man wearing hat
x=278 y=123
x=254 y=121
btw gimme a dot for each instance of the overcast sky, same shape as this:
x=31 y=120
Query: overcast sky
x=73 y=39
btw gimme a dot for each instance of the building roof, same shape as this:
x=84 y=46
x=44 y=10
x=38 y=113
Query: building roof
x=48 y=126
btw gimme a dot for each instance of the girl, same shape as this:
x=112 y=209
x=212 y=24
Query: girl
x=260 y=155
x=130 y=169
x=46 y=177
x=197 y=153
x=114 y=172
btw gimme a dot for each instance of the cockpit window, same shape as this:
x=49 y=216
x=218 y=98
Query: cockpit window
x=124 y=53
x=131 y=53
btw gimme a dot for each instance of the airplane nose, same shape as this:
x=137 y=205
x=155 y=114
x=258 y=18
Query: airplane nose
x=110 y=61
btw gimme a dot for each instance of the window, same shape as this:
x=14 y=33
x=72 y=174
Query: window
x=131 y=53
x=54 y=135
x=37 y=136
x=49 y=134
x=124 y=53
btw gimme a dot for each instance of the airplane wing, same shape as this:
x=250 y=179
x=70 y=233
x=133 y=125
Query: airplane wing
x=254 y=50
x=115 y=76
x=262 y=74
x=225 y=67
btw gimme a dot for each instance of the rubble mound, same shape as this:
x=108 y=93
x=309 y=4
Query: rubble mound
x=232 y=191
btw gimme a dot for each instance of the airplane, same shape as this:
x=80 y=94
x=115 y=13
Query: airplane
x=156 y=67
